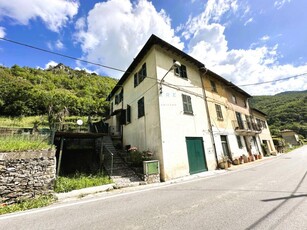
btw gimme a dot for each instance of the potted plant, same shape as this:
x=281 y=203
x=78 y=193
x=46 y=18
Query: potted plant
x=223 y=163
x=236 y=161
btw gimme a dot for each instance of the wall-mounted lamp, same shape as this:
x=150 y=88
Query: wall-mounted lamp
x=176 y=64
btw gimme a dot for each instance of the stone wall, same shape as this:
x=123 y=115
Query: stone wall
x=26 y=174
x=153 y=178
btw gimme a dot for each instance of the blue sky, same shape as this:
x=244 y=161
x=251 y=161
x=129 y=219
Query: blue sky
x=243 y=41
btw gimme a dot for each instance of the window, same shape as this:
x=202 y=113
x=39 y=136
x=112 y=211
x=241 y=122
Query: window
x=141 y=108
x=181 y=71
x=219 y=113
x=239 y=120
x=187 y=104
x=234 y=98
x=128 y=114
x=140 y=75
x=239 y=142
x=213 y=86
x=119 y=97
x=248 y=121
x=111 y=108
x=263 y=124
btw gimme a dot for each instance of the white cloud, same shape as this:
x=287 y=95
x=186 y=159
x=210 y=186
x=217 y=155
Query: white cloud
x=50 y=64
x=57 y=45
x=55 y=14
x=265 y=38
x=280 y=3
x=214 y=10
x=86 y=70
x=115 y=31
x=2 y=32
x=248 y=21
x=260 y=63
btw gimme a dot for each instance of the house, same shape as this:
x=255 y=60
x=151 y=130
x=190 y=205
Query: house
x=167 y=117
x=167 y=102
x=265 y=135
x=290 y=137
x=234 y=131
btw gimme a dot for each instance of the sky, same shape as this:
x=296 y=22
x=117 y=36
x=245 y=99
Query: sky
x=246 y=42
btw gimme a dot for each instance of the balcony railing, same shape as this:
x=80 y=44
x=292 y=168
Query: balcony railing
x=246 y=126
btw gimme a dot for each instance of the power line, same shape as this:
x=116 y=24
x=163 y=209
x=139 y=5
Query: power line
x=281 y=79
x=120 y=70
x=62 y=55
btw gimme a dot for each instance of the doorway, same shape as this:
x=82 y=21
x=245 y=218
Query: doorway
x=225 y=147
x=196 y=155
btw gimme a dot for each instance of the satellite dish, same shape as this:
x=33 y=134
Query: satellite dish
x=79 y=122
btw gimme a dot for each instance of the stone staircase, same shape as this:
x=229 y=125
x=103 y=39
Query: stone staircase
x=122 y=175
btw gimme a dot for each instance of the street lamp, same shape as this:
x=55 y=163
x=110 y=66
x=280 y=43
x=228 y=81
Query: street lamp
x=176 y=64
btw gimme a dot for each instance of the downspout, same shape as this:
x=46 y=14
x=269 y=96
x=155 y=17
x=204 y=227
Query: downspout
x=208 y=116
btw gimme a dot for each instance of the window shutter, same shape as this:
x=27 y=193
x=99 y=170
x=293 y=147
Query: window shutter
x=144 y=70
x=184 y=71
x=135 y=80
x=128 y=114
x=141 y=108
x=187 y=104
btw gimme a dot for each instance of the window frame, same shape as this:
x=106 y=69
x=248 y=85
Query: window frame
x=181 y=71
x=140 y=75
x=219 y=112
x=239 y=142
x=234 y=99
x=111 y=108
x=128 y=114
x=213 y=86
x=141 y=107
x=187 y=104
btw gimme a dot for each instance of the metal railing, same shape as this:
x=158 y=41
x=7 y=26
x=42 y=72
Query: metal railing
x=246 y=126
x=108 y=159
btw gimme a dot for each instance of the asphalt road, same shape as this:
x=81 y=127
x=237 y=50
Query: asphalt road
x=268 y=194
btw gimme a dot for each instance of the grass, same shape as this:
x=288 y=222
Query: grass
x=25 y=122
x=80 y=180
x=36 y=202
x=23 y=142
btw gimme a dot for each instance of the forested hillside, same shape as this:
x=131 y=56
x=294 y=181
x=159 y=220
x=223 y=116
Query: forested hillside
x=286 y=110
x=28 y=91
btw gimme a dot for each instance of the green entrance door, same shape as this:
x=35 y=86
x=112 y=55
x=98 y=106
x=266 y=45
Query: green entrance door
x=196 y=154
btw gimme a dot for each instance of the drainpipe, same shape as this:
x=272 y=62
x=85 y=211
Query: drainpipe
x=208 y=116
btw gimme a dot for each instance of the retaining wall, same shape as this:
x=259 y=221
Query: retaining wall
x=26 y=174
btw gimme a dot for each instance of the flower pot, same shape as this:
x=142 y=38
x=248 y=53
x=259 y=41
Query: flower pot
x=223 y=165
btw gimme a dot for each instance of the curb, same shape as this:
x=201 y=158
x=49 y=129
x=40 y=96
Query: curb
x=84 y=191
